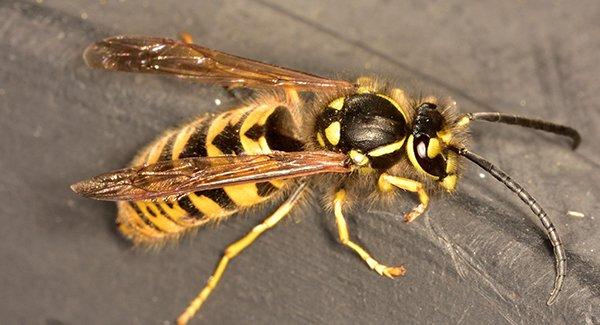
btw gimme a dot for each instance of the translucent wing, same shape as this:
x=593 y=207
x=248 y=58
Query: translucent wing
x=177 y=177
x=163 y=55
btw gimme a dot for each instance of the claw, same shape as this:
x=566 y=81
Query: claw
x=414 y=213
x=395 y=271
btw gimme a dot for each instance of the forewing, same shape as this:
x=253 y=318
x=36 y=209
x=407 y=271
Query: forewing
x=177 y=177
x=163 y=55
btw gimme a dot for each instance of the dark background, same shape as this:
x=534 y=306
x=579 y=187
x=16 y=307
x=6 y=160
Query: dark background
x=473 y=257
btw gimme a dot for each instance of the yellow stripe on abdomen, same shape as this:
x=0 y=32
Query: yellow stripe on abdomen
x=152 y=213
x=206 y=206
x=244 y=195
x=228 y=133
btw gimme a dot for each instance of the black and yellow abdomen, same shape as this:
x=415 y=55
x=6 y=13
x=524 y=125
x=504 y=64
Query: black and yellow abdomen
x=252 y=129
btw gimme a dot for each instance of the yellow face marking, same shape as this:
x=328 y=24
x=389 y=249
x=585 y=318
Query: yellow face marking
x=320 y=139
x=332 y=133
x=337 y=104
x=434 y=148
x=358 y=158
x=384 y=150
x=412 y=158
x=244 y=195
x=445 y=136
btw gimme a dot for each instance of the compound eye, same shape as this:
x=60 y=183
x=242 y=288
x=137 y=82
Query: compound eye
x=428 y=106
x=428 y=155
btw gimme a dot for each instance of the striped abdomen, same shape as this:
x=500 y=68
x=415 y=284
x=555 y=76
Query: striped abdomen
x=253 y=129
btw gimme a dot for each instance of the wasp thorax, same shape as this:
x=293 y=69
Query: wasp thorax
x=370 y=124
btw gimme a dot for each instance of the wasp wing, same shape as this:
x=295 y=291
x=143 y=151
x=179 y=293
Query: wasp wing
x=163 y=55
x=178 y=177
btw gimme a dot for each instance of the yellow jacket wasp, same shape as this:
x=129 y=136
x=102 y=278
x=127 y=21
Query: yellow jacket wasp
x=351 y=142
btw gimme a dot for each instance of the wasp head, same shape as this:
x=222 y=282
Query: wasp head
x=426 y=146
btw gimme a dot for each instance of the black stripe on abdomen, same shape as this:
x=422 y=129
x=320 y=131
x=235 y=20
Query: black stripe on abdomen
x=228 y=140
x=167 y=150
x=265 y=189
x=196 y=144
x=219 y=196
x=186 y=204
x=142 y=216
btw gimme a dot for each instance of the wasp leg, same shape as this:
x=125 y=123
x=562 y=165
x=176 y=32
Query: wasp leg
x=385 y=184
x=237 y=247
x=390 y=272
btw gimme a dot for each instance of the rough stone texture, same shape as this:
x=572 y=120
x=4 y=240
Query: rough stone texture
x=475 y=257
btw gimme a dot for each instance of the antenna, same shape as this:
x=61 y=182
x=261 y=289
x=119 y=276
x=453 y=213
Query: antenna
x=559 y=251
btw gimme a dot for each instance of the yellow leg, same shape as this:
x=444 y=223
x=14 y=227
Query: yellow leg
x=385 y=184
x=234 y=249
x=390 y=272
